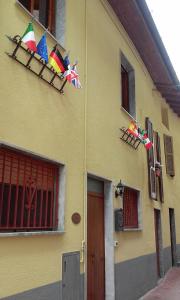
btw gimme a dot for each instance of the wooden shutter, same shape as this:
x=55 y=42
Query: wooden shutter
x=28 y=4
x=130 y=208
x=125 y=89
x=158 y=158
x=151 y=162
x=51 y=16
x=164 y=115
x=43 y=12
x=169 y=156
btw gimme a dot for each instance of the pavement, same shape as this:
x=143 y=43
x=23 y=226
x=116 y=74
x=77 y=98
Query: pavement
x=167 y=289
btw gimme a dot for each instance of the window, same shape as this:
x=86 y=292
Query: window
x=42 y=10
x=130 y=208
x=50 y=13
x=164 y=116
x=127 y=87
x=169 y=156
x=28 y=193
x=155 y=176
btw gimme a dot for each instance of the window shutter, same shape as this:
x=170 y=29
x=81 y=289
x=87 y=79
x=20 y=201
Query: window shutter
x=43 y=15
x=130 y=208
x=150 y=161
x=169 y=156
x=132 y=104
x=160 y=178
x=164 y=115
x=28 y=4
x=51 y=16
x=125 y=89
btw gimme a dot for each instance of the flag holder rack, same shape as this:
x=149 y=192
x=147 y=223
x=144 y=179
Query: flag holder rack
x=17 y=40
x=129 y=139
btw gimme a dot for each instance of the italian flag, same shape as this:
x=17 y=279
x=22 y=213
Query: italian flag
x=28 y=38
x=146 y=141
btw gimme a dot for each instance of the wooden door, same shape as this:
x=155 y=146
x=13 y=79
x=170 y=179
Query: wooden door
x=172 y=235
x=158 y=240
x=95 y=247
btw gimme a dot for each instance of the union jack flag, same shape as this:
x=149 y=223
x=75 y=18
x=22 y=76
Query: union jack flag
x=73 y=77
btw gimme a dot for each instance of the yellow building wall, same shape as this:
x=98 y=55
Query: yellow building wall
x=36 y=118
x=107 y=156
x=81 y=130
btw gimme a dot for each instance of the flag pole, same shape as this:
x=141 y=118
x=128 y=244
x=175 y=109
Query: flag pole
x=42 y=69
x=44 y=63
x=31 y=57
x=64 y=83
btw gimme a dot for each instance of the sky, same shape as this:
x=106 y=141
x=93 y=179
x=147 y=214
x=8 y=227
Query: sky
x=166 y=14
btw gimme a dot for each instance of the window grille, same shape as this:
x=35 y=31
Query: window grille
x=130 y=208
x=28 y=193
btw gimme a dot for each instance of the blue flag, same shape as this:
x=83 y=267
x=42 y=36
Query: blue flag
x=67 y=61
x=42 y=48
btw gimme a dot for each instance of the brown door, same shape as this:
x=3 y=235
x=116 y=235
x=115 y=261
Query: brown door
x=158 y=239
x=172 y=235
x=95 y=247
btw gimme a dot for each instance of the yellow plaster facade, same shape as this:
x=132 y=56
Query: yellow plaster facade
x=80 y=129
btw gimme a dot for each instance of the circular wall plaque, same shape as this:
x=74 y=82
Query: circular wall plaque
x=76 y=218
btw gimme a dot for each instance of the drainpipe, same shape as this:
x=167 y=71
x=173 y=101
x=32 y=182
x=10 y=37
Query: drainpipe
x=84 y=242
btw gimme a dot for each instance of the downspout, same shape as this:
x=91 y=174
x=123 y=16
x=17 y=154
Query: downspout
x=84 y=243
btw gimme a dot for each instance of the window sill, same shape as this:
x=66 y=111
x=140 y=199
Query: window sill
x=128 y=114
x=132 y=229
x=45 y=29
x=26 y=234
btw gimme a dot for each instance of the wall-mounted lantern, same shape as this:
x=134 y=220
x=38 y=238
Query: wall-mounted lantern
x=119 y=189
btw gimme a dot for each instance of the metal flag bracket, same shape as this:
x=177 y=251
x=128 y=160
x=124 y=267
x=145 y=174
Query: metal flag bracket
x=129 y=139
x=33 y=56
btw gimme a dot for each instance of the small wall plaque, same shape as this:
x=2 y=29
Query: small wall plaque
x=76 y=218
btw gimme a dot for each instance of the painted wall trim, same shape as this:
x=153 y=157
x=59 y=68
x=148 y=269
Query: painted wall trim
x=61 y=200
x=109 y=241
x=27 y=234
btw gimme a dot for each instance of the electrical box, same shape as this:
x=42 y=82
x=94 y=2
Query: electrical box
x=118 y=218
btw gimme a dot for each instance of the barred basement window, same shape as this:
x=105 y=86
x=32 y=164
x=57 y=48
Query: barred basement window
x=28 y=193
x=130 y=208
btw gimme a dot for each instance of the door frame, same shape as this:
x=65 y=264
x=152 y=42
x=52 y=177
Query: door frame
x=172 y=236
x=158 y=242
x=108 y=237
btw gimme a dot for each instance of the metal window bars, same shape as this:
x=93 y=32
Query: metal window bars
x=28 y=193
x=33 y=56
